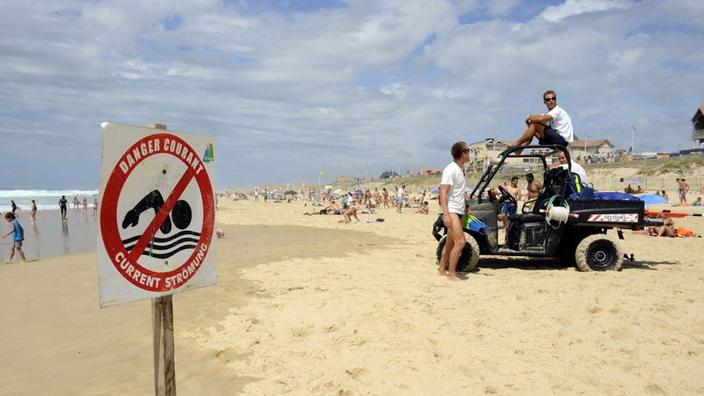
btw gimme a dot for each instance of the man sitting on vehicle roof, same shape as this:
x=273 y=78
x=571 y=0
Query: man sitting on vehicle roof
x=553 y=127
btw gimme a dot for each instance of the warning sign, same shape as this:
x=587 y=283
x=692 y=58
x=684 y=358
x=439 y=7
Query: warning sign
x=157 y=213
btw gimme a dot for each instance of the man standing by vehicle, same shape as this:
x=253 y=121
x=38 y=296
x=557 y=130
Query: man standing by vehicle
x=452 y=202
x=553 y=127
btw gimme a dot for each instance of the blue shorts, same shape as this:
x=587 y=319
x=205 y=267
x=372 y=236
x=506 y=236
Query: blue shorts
x=18 y=244
x=399 y=200
x=508 y=209
x=552 y=136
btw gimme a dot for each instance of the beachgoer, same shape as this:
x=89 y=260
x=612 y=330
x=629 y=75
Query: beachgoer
x=75 y=202
x=452 y=202
x=423 y=209
x=667 y=229
x=63 y=205
x=330 y=209
x=85 y=204
x=698 y=202
x=95 y=206
x=17 y=233
x=534 y=186
x=348 y=214
x=553 y=127
x=33 y=212
x=400 y=196
x=682 y=189
x=508 y=208
x=385 y=194
x=14 y=206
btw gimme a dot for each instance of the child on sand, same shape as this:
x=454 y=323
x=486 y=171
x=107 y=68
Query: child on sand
x=17 y=233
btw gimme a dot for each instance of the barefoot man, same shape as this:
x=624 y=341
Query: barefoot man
x=452 y=203
x=553 y=127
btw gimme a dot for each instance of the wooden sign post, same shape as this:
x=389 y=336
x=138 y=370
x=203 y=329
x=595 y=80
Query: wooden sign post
x=164 y=366
x=156 y=227
x=163 y=325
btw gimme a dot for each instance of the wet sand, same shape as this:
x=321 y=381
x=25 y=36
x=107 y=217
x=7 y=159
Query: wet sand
x=52 y=237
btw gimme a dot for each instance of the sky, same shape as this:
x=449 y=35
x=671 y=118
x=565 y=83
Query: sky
x=349 y=87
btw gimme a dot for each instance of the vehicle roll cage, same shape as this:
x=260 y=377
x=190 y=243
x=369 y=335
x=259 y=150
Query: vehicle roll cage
x=510 y=152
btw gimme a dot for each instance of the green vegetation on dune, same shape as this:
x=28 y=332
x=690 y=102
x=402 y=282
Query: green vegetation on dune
x=654 y=167
x=673 y=165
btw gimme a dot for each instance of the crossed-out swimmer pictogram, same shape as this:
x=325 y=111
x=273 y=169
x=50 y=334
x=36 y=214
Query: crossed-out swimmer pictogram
x=168 y=213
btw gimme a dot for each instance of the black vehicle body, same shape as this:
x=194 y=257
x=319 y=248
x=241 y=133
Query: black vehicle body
x=530 y=233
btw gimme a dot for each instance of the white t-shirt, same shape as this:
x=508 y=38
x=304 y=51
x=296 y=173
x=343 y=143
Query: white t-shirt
x=399 y=194
x=577 y=168
x=453 y=176
x=562 y=122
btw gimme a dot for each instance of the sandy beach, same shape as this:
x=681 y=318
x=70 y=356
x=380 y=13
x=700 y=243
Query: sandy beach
x=305 y=305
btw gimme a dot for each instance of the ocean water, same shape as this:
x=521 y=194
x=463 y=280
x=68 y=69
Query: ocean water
x=45 y=199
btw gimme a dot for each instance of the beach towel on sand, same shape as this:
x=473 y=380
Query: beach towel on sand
x=684 y=232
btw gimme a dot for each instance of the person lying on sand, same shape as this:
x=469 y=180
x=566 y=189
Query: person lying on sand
x=348 y=214
x=669 y=230
x=331 y=209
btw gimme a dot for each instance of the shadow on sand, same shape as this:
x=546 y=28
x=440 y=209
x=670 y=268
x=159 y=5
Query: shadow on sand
x=645 y=265
x=530 y=264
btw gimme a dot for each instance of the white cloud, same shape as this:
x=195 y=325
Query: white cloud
x=336 y=87
x=577 y=7
x=397 y=90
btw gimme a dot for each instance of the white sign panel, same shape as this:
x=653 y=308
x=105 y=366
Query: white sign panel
x=157 y=214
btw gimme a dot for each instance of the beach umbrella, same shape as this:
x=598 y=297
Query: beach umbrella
x=652 y=199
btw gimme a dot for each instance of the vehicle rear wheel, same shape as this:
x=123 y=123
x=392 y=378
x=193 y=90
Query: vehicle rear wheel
x=599 y=252
x=469 y=260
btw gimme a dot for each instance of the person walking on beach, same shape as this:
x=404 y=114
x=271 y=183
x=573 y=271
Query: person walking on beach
x=553 y=127
x=63 y=205
x=682 y=189
x=400 y=198
x=33 y=212
x=17 y=233
x=452 y=202
x=385 y=194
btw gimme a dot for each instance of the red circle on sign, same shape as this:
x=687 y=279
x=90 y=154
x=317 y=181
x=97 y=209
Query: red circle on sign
x=157 y=281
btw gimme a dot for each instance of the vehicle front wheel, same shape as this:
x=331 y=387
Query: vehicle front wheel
x=599 y=252
x=469 y=260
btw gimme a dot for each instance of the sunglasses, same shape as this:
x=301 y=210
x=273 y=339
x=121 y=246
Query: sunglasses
x=549 y=99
